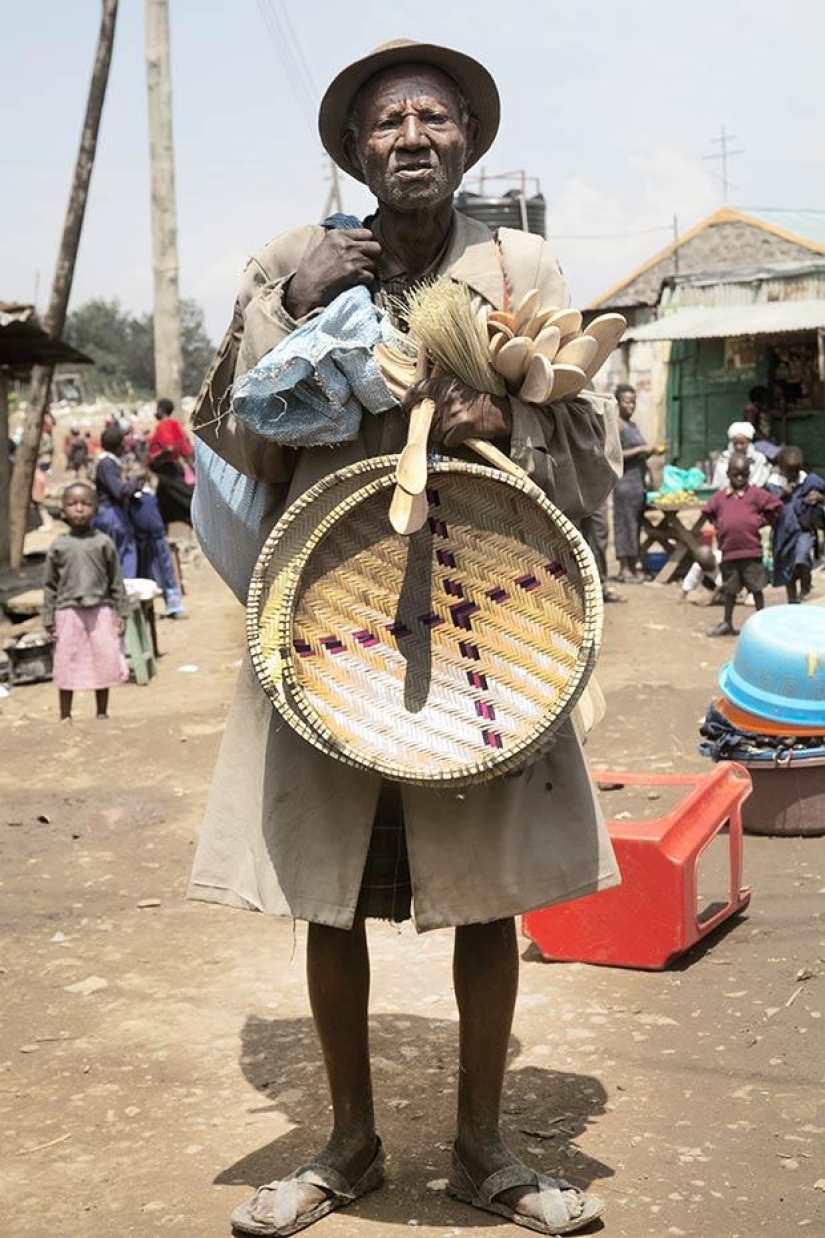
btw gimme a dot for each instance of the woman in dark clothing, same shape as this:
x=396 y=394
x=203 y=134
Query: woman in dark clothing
x=114 y=495
x=629 y=494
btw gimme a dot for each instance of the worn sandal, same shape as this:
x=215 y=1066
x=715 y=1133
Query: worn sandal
x=282 y=1208
x=551 y=1191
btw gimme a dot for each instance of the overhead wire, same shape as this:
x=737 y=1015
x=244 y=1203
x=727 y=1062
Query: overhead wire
x=293 y=64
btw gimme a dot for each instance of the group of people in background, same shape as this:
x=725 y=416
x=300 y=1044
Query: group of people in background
x=760 y=483
x=117 y=528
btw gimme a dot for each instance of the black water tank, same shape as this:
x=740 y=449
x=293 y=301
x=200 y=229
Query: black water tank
x=509 y=211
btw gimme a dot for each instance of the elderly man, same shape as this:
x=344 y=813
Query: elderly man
x=289 y=831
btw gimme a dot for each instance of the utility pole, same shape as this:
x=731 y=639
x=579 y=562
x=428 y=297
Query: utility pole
x=55 y=318
x=333 y=203
x=723 y=155
x=168 y=360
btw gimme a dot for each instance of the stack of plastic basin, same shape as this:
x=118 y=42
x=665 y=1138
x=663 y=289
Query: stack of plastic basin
x=774 y=687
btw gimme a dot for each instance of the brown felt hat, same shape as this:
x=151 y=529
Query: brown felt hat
x=471 y=77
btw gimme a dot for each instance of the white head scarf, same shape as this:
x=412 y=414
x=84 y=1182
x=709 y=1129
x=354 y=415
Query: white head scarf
x=740 y=429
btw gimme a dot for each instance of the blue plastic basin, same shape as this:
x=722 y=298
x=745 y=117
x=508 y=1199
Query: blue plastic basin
x=778 y=667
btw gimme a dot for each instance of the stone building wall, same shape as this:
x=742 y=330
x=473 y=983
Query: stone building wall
x=723 y=246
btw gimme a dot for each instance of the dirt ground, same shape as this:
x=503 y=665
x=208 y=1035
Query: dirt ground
x=158 y=1058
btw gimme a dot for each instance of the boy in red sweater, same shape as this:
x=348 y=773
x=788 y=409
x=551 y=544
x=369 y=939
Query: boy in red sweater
x=738 y=512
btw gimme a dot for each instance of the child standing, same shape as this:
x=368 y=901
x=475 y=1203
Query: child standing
x=794 y=535
x=85 y=605
x=738 y=512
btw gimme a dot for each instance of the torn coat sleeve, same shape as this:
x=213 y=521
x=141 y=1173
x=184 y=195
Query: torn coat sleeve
x=570 y=449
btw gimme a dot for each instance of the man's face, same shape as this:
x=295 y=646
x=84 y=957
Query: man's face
x=411 y=141
x=740 y=445
x=739 y=475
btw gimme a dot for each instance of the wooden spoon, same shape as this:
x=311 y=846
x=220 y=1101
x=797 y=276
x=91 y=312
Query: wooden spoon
x=606 y=330
x=498 y=328
x=526 y=310
x=567 y=380
x=567 y=321
x=579 y=351
x=503 y=317
x=537 y=324
x=495 y=346
x=538 y=381
x=408 y=512
x=512 y=357
x=411 y=470
x=547 y=342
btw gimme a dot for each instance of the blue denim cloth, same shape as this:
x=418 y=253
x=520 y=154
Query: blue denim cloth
x=312 y=389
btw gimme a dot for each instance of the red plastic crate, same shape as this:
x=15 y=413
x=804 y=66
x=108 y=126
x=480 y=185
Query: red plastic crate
x=652 y=918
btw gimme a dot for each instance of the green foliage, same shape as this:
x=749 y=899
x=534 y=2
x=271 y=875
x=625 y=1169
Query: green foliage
x=122 y=347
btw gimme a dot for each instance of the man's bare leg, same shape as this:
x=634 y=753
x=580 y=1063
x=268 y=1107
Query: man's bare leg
x=485 y=973
x=338 y=978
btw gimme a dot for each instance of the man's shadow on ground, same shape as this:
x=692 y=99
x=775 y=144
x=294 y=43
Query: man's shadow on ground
x=415 y=1066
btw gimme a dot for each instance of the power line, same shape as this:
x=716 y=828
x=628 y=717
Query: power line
x=302 y=93
x=611 y=236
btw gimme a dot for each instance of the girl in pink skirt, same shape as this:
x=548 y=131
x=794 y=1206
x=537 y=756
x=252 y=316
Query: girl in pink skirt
x=85 y=605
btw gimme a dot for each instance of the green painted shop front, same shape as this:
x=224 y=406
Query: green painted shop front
x=708 y=385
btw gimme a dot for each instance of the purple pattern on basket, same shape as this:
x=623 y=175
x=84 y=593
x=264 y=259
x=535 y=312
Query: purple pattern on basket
x=332 y=644
x=438 y=527
x=485 y=710
x=461 y=614
x=445 y=557
x=453 y=588
x=431 y=620
x=303 y=648
x=492 y=738
x=528 y=582
x=398 y=629
x=498 y=594
x=468 y=650
x=366 y=638
x=476 y=680
x=433 y=496
x=555 y=569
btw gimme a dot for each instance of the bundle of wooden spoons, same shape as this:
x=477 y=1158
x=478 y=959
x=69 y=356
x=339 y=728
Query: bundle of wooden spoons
x=543 y=354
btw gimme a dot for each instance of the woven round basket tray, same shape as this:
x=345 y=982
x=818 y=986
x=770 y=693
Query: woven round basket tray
x=446 y=657
x=277 y=563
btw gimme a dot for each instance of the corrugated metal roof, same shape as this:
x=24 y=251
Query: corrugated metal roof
x=720 y=321
x=809 y=224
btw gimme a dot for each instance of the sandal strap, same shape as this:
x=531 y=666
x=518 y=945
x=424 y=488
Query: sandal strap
x=550 y=1191
x=504 y=1180
x=283 y=1206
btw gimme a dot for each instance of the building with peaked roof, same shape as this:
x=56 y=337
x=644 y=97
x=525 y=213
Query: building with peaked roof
x=725 y=241
x=737 y=302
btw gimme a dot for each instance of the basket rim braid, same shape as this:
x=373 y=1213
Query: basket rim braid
x=496 y=761
x=267 y=572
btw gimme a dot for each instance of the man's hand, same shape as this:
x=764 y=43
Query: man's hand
x=460 y=412
x=344 y=258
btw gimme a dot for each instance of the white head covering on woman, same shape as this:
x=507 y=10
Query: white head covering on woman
x=760 y=465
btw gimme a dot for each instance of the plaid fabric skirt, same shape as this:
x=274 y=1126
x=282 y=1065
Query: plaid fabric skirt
x=386 y=886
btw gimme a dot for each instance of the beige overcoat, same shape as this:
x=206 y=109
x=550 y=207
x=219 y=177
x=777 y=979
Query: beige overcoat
x=287 y=828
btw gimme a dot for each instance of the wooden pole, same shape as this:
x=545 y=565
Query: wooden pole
x=168 y=365
x=4 y=471
x=55 y=319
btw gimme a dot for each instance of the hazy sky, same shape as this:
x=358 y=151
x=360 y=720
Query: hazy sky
x=610 y=105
